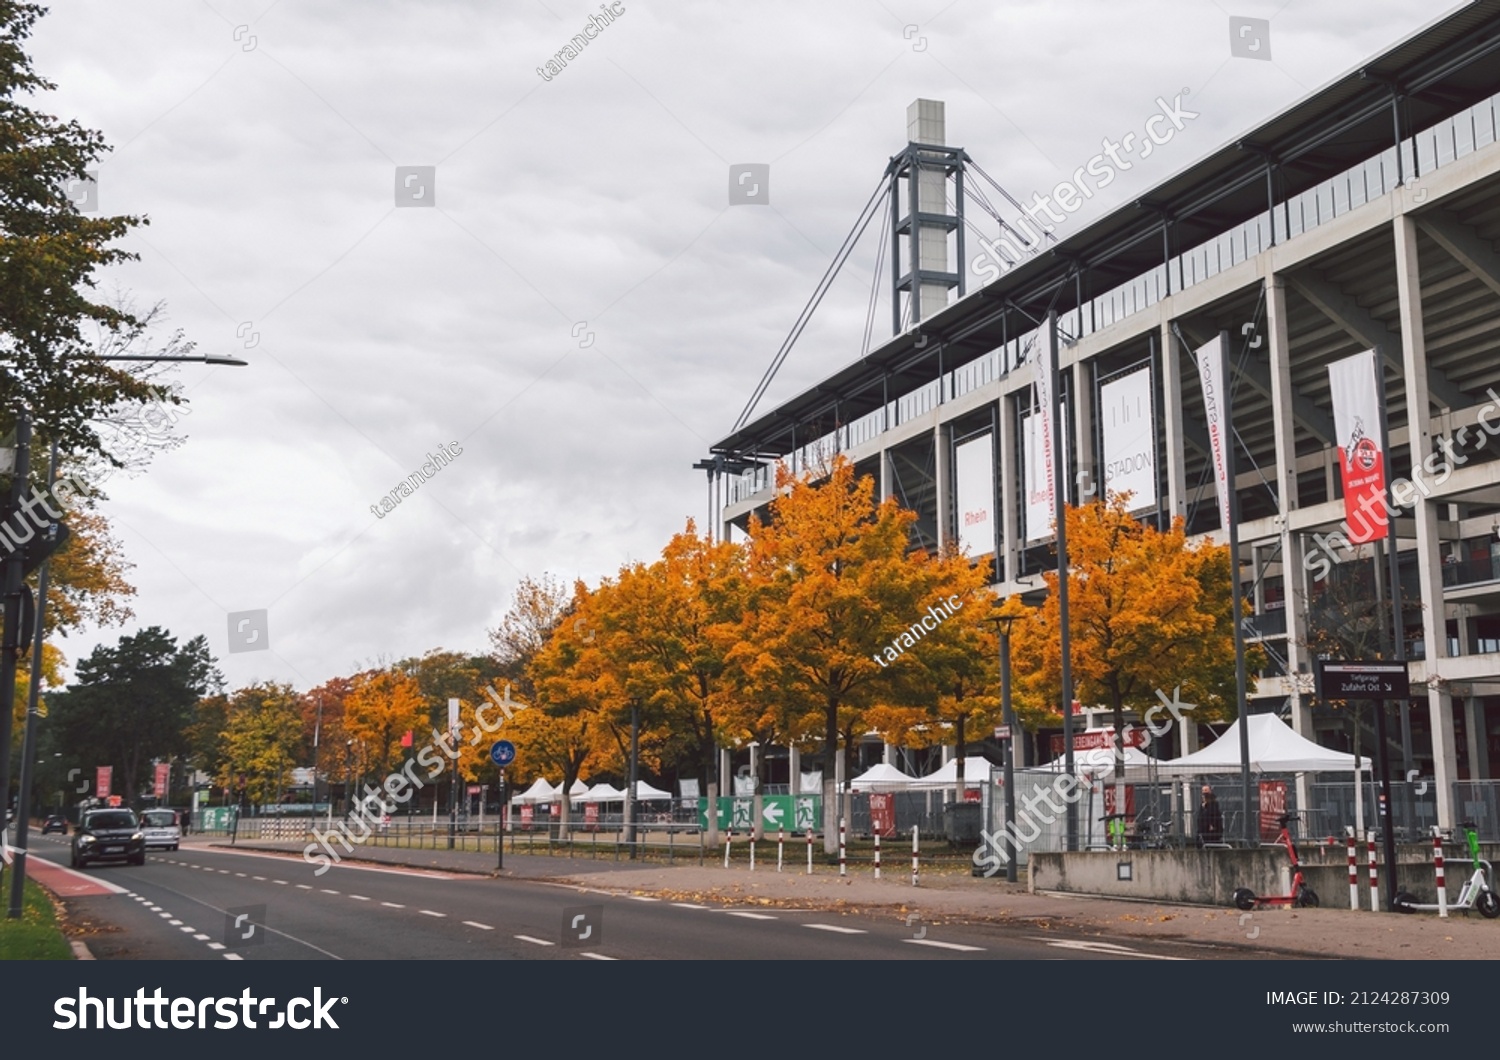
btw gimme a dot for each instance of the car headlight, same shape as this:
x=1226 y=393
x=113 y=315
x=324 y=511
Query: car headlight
x=135 y=837
x=86 y=839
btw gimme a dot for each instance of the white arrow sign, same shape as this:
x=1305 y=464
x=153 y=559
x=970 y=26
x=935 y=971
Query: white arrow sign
x=772 y=813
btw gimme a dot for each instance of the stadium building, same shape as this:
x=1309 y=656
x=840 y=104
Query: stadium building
x=1365 y=217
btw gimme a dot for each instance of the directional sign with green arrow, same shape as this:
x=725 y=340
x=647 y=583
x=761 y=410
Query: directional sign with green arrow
x=795 y=813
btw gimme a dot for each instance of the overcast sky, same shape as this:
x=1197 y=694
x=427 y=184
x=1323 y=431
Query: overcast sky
x=580 y=310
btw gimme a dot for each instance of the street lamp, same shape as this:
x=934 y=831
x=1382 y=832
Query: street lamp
x=1004 y=620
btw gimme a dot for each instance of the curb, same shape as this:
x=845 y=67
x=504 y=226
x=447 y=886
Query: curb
x=81 y=951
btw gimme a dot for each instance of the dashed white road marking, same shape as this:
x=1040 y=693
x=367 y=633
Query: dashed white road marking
x=216 y=945
x=393 y=905
x=201 y=937
x=539 y=942
x=189 y=930
x=638 y=898
x=1091 y=946
x=233 y=957
x=329 y=891
x=429 y=912
x=359 y=898
x=945 y=945
x=597 y=956
x=748 y=916
x=688 y=905
x=303 y=887
x=477 y=924
x=837 y=928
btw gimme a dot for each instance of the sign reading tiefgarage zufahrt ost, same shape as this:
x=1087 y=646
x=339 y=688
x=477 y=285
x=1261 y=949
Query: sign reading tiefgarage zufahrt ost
x=1363 y=680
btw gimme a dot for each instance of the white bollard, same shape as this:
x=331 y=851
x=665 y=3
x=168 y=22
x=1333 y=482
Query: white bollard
x=752 y=851
x=809 y=851
x=780 y=842
x=728 y=838
x=1437 y=866
x=843 y=871
x=1374 y=874
x=1353 y=869
x=913 y=855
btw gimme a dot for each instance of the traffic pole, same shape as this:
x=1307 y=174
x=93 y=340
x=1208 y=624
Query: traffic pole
x=780 y=843
x=1437 y=867
x=728 y=838
x=913 y=855
x=1353 y=870
x=809 y=851
x=843 y=871
x=1374 y=873
x=877 y=855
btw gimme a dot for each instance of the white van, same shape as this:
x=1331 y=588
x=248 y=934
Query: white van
x=161 y=829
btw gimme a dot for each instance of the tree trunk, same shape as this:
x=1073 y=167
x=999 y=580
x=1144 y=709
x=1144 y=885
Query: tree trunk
x=830 y=787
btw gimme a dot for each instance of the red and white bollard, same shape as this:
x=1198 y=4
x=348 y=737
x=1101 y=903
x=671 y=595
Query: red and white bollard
x=809 y=851
x=913 y=855
x=843 y=870
x=877 y=855
x=728 y=838
x=1374 y=874
x=1353 y=870
x=752 y=851
x=780 y=843
x=1437 y=867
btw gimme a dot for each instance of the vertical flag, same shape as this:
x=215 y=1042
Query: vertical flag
x=162 y=779
x=1213 y=376
x=453 y=719
x=1356 y=421
x=102 y=777
x=1046 y=365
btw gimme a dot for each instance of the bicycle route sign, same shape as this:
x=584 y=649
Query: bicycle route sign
x=1364 y=680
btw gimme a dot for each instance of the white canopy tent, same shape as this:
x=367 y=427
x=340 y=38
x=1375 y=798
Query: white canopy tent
x=540 y=791
x=644 y=792
x=1274 y=748
x=601 y=793
x=882 y=777
x=976 y=774
x=1101 y=764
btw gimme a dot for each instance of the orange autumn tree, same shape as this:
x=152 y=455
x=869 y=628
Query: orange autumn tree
x=833 y=594
x=382 y=706
x=1147 y=611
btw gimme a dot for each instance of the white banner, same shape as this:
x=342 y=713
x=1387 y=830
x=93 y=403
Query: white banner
x=1128 y=415
x=1214 y=377
x=1038 y=502
x=1046 y=363
x=1356 y=421
x=974 y=471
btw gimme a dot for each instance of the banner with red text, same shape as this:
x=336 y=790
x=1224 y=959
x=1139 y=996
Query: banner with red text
x=1356 y=422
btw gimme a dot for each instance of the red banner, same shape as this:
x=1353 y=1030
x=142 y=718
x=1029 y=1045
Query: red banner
x=1099 y=739
x=527 y=813
x=882 y=814
x=102 y=777
x=1109 y=800
x=591 y=816
x=1272 y=806
x=163 y=778
x=1356 y=419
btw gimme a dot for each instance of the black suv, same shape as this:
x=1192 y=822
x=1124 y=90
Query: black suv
x=106 y=835
x=56 y=823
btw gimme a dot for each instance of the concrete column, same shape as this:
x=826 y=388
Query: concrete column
x=1478 y=739
x=726 y=772
x=1293 y=577
x=887 y=475
x=1009 y=489
x=1429 y=562
x=940 y=474
x=1171 y=382
x=888 y=754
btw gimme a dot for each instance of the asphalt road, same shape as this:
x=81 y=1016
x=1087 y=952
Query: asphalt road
x=181 y=906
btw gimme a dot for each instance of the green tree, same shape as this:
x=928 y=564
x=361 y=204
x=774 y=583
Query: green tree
x=50 y=253
x=133 y=703
x=263 y=741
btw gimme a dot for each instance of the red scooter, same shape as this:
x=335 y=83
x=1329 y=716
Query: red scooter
x=1302 y=896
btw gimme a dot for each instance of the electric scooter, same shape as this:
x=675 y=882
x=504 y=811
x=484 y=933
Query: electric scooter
x=1475 y=894
x=1302 y=896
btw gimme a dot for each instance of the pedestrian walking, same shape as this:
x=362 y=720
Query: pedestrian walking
x=1210 y=819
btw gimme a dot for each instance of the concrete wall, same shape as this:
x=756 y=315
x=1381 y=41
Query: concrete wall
x=1210 y=877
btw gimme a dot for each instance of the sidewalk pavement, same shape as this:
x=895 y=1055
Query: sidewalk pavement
x=1322 y=933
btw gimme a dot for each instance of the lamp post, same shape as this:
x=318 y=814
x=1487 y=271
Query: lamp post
x=1003 y=622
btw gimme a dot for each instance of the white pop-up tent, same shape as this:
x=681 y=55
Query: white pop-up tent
x=540 y=791
x=601 y=793
x=644 y=792
x=1100 y=763
x=976 y=774
x=1274 y=748
x=882 y=777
